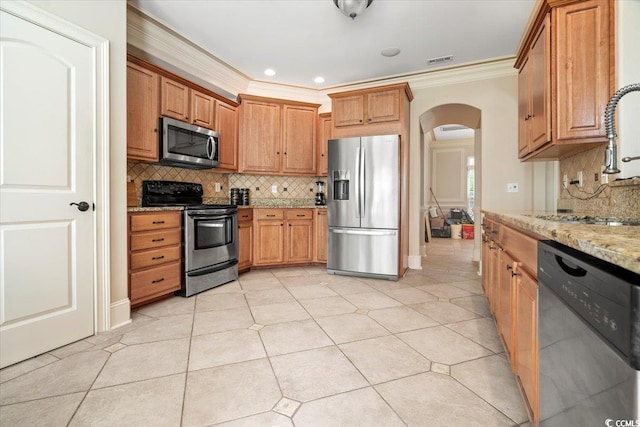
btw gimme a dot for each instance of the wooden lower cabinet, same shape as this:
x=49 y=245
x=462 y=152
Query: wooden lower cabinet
x=526 y=337
x=505 y=296
x=245 y=239
x=154 y=240
x=509 y=265
x=321 y=226
x=269 y=242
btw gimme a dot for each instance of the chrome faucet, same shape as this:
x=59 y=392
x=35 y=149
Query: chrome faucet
x=611 y=153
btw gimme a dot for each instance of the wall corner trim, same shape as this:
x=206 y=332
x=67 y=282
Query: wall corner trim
x=120 y=313
x=415 y=262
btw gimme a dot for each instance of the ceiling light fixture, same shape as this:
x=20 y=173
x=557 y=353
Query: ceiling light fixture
x=319 y=79
x=270 y=72
x=352 y=8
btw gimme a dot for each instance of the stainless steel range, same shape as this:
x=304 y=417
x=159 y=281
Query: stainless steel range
x=209 y=234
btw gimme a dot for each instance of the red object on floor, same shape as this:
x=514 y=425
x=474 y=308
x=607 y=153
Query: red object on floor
x=467 y=231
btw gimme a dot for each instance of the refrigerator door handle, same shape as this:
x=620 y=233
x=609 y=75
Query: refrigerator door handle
x=362 y=178
x=364 y=232
x=357 y=184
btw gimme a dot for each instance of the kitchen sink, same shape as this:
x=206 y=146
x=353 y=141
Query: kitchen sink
x=590 y=220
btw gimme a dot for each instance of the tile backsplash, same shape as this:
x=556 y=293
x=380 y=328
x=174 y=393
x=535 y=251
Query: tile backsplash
x=287 y=187
x=139 y=172
x=621 y=198
x=301 y=188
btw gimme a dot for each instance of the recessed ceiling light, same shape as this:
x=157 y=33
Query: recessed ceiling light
x=390 y=51
x=270 y=72
x=319 y=79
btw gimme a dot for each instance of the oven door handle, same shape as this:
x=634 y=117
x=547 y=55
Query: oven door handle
x=213 y=225
x=205 y=217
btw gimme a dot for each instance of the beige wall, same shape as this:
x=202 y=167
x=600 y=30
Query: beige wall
x=108 y=19
x=497 y=100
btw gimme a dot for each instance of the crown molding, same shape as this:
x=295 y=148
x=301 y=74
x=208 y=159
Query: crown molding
x=164 y=44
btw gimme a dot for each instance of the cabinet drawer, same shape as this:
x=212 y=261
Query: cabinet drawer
x=245 y=215
x=154 y=221
x=268 y=214
x=153 y=257
x=154 y=239
x=521 y=247
x=155 y=282
x=299 y=214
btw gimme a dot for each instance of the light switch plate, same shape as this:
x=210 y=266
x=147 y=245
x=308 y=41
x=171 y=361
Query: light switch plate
x=274 y=189
x=512 y=187
x=218 y=187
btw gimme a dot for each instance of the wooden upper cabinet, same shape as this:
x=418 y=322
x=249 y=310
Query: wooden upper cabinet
x=142 y=113
x=227 y=127
x=175 y=99
x=260 y=136
x=277 y=136
x=299 y=139
x=566 y=65
x=203 y=109
x=325 y=127
x=582 y=77
x=181 y=102
x=383 y=106
x=372 y=111
x=348 y=110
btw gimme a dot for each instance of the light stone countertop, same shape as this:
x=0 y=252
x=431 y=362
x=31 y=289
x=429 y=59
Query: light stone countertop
x=619 y=245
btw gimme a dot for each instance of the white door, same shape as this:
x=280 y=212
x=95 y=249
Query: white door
x=47 y=128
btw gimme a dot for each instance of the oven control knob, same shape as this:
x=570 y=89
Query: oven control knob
x=82 y=206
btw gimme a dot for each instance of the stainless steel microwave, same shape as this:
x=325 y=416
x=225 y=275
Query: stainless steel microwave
x=188 y=146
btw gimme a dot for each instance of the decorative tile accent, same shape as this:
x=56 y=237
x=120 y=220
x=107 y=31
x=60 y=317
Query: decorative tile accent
x=115 y=347
x=286 y=407
x=615 y=200
x=440 y=368
x=256 y=327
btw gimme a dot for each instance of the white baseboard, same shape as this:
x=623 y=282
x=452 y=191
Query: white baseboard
x=415 y=262
x=120 y=313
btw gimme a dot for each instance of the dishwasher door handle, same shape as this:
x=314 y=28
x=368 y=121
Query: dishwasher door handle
x=576 y=271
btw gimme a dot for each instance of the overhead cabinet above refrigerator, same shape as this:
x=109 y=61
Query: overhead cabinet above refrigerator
x=364 y=206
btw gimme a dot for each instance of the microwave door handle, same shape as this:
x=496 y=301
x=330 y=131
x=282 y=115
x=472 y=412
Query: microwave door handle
x=214 y=148
x=210 y=148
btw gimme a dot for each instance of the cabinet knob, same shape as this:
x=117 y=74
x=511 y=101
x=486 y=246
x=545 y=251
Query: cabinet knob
x=156 y=130
x=509 y=267
x=322 y=155
x=369 y=119
x=360 y=120
x=186 y=117
x=277 y=152
x=285 y=153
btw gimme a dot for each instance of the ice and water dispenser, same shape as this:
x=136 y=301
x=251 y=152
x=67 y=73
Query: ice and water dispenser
x=341 y=185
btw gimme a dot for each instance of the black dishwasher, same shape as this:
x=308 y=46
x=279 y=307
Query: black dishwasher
x=589 y=339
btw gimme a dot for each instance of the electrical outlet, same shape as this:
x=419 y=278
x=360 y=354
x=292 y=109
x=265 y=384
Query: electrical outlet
x=596 y=178
x=274 y=189
x=512 y=187
x=218 y=187
x=580 y=181
x=565 y=181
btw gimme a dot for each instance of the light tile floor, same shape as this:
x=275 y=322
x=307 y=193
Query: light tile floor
x=285 y=347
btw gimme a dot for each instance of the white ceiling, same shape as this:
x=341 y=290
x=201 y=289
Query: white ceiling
x=302 y=39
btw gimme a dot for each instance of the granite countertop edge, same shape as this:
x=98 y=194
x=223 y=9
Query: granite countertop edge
x=180 y=208
x=619 y=245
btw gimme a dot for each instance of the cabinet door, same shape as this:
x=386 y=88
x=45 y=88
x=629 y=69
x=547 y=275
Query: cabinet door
x=260 y=135
x=269 y=242
x=383 y=106
x=582 y=72
x=526 y=337
x=505 y=302
x=299 y=241
x=299 y=139
x=524 y=109
x=492 y=277
x=202 y=109
x=175 y=99
x=321 y=235
x=325 y=125
x=142 y=114
x=227 y=128
x=540 y=89
x=348 y=111
x=245 y=244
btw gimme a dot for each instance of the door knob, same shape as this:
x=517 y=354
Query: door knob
x=82 y=206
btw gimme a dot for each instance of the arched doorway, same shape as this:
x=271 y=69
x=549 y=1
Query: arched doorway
x=446 y=114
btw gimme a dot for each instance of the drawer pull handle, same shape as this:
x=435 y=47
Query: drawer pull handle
x=245 y=216
x=271 y=216
x=155 y=258
x=158 y=240
x=158 y=222
x=158 y=280
x=301 y=215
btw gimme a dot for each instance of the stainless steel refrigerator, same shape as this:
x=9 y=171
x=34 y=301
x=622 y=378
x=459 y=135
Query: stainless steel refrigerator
x=363 y=206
